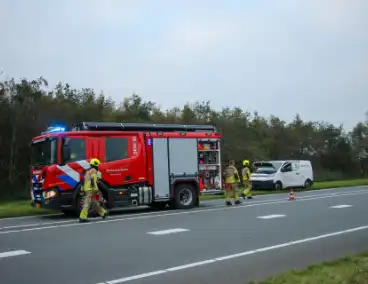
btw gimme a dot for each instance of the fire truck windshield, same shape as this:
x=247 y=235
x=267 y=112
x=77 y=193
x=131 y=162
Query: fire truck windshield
x=44 y=152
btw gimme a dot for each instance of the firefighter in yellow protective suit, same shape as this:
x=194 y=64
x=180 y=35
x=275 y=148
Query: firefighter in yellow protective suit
x=247 y=193
x=231 y=179
x=89 y=190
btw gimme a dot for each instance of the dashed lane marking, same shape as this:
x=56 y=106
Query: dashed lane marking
x=341 y=206
x=13 y=253
x=166 y=232
x=271 y=216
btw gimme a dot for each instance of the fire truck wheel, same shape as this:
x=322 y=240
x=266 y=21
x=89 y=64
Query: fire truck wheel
x=185 y=196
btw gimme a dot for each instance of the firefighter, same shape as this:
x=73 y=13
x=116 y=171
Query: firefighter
x=231 y=179
x=89 y=190
x=247 y=193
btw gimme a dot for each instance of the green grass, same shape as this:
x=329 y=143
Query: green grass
x=20 y=208
x=316 y=186
x=23 y=208
x=349 y=270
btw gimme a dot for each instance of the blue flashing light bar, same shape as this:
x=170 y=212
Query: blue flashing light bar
x=57 y=129
x=53 y=129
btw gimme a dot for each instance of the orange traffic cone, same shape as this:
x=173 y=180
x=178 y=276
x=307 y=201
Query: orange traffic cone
x=291 y=195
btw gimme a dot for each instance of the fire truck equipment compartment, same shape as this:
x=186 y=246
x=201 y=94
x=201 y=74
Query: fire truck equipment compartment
x=183 y=157
x=175 y=158
x=161 y=168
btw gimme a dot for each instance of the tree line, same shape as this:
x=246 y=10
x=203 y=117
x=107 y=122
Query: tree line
x=27 y=108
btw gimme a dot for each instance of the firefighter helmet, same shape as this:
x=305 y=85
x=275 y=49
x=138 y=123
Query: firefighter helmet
x=94 y=162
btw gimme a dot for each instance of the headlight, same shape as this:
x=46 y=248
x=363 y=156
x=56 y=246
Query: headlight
x=49 y=194
x=271 y=175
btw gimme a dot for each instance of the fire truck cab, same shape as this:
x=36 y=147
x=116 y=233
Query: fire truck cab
x=141 y=164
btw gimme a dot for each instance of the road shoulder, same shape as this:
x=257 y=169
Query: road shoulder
x=352 y=269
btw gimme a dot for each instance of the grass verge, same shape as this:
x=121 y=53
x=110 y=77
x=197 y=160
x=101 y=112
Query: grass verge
x=316 y=186
x=352 y=269
x=23 y=208
x=20 y=208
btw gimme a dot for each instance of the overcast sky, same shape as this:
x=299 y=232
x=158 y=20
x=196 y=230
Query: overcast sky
x=277 y=57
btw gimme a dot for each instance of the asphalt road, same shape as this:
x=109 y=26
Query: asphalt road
x=211 y=244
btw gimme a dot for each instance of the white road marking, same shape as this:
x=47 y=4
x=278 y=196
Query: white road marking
x=335 y=188
x=195 y=264
x=136 y=277
x=13 y=253
x=242 y=254
x=152 y=215
x=30 y=217
x=271 y=216
x=305 y=194
x=166 y=232
x=36 y=224
x=340 y=206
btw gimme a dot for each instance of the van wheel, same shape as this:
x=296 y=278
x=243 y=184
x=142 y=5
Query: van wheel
x=308 y=183
x=185 y=196
x=278 y=185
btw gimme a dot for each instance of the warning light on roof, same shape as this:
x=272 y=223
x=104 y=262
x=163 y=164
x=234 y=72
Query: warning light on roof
x=57 y=129
x=53 y=129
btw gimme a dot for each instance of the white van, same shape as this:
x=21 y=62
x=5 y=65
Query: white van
x=282 y=174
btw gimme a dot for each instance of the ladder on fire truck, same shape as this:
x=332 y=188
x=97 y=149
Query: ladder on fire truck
x=117 y=126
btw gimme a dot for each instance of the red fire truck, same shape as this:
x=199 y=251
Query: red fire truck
x=141 y=164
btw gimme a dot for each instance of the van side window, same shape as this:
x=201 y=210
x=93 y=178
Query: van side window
x=287 y=168
x=77 y=149
x=116 y=149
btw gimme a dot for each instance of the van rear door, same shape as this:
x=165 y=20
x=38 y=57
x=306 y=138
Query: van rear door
x=299 y=174
x=306 y=171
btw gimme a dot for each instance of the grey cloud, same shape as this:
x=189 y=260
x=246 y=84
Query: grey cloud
x=282 y=57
